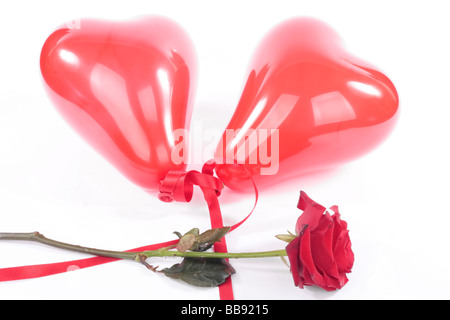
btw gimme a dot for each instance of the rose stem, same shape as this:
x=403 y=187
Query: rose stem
x=137 y=256
x=38 y=237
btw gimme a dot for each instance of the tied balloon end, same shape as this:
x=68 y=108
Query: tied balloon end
x=165 y=197
x=175 y=187
x=178 y=185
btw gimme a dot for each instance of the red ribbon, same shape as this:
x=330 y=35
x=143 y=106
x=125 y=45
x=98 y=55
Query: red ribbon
x=42 y=270
x=176 y=186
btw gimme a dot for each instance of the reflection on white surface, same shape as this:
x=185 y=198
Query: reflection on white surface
x=119 y=107
x=163 y=80
x=331 y=107
x=364 y=88
x=69 y=57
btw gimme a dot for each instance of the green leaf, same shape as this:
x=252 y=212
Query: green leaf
x=207 y=239
x=285 y=237
x=201 y=272
x=194 y=231
x=186 y=242
x=194 y=241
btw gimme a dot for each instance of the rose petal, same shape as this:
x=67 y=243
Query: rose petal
x=350 y=256
x=307 y=278
x=340 y=253
x=305 y=201
x=293 y=252
x=335 y=209
x=312 y=211
x=338 y=227
x=332 y=283
x=307 y=259
x=343 y=253
x=322 y=251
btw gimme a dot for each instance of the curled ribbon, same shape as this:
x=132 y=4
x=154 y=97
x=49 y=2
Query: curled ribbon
x=176 y=186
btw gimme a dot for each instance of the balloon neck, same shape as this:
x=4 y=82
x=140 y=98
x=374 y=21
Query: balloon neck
x=178 y=185
x=237 y=177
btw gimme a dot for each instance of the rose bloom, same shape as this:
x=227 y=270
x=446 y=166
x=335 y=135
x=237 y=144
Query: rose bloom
x=321 y=254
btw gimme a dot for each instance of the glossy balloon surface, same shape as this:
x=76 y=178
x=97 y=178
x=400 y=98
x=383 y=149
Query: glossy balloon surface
x=319 y=105
x=125 y=87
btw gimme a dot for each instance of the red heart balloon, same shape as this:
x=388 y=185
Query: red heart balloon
x=125 y=87
x=307 y=105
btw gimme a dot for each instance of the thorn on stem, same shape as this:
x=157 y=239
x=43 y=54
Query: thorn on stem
x=143 y=260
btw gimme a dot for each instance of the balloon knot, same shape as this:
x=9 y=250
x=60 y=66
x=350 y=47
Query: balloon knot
x=178 y=185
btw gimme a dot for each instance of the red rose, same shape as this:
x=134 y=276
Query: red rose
x=321 y=255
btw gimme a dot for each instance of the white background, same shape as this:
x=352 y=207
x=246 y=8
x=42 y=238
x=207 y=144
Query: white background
x=395 y=199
